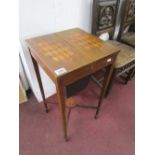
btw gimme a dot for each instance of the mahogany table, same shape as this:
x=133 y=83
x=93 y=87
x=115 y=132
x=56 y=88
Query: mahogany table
x=68 y=56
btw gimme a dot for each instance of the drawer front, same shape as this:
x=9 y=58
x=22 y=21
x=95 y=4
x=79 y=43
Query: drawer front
x=76 y=75
x=86 y=70
x=103 y=63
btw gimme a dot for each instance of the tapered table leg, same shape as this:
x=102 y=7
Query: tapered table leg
x=111 y=82
x=62 y=107
x=106 y=81
x=36 y=68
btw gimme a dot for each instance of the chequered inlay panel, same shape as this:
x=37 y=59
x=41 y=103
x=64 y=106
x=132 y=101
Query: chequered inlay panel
x=84 y=41
x=59 y=51
x=56 y=51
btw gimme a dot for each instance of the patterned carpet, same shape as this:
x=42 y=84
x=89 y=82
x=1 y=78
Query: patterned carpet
x=111 y=134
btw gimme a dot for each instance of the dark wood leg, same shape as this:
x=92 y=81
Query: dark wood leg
x=111 y=82
x=106 y=80
x=133 y=74
x=129 y=76
x=36 y=68
x=61 y=102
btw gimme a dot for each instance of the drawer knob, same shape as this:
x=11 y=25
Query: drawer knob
x=109 y=60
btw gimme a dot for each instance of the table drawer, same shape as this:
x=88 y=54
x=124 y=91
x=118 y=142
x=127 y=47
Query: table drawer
x=102 y=63
x=76 y=75
x=86 y=70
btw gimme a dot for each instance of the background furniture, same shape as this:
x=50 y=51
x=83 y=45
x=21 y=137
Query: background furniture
x=127 y=28
x=67 y=57
x=104 y=17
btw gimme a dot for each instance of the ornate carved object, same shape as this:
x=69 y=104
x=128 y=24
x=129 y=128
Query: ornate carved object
x=130 y=16
x=126 y=34
x=106 y=16
x=104 y=13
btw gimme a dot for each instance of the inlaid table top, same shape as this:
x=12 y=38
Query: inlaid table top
x=68 y=50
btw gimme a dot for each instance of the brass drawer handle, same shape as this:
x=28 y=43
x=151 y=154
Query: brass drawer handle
x=109 y=60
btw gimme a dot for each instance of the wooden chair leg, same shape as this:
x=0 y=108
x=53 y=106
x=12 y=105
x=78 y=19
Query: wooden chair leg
x=133 y=74
x=129 y=76
x=110 y=83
